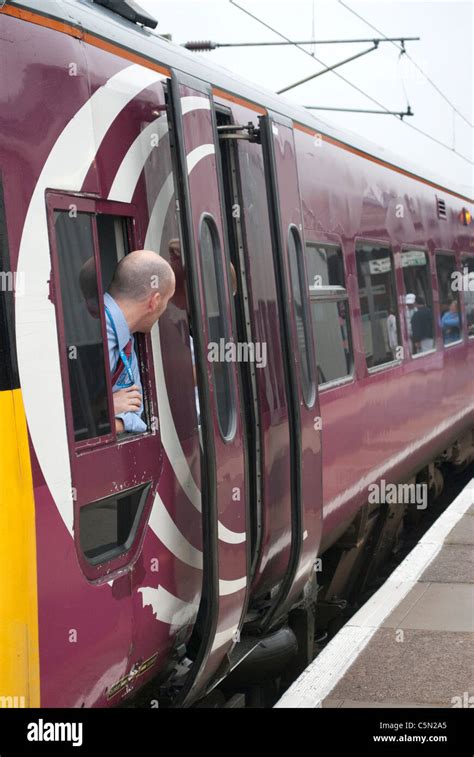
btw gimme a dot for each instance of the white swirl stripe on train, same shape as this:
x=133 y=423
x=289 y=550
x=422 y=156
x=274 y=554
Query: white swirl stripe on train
x=163 y=525
x=194 y=102
x=198 y=154
x=167 y=608
x=231 y=587
x=128 y=174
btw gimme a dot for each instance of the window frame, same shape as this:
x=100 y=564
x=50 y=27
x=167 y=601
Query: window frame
x=457 y=265
x=333 y=293
x=420 y=248
x=293 y=231
x=222 y=277
x=358 y=243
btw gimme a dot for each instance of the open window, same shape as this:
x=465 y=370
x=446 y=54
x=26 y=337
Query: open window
x=330 y=312
x=378 y=303
x=88 y=245
x=112 y=497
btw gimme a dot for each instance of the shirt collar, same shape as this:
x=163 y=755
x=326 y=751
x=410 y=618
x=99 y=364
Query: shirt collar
x=121 y=325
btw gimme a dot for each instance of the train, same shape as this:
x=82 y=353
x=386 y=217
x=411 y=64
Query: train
x=214 y=546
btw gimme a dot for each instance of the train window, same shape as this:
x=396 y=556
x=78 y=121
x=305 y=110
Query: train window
x=378 y=303
x=83 y=343
x=295 y=257
x=418 y=301
x=468 y=289
x=329 y=311
x=107 y=527
x=213 y=284
x=450 y=311
x=88 y=247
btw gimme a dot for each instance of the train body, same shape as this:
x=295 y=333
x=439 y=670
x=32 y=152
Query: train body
x=124 y=557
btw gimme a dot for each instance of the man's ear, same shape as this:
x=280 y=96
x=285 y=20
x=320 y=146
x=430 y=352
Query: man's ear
x=154 y=301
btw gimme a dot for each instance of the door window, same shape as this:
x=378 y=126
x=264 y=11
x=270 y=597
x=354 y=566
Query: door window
x=213 y=284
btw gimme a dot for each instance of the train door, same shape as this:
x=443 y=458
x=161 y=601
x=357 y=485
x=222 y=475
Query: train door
x=260 y=316
x=298 y=355
x=223 y=458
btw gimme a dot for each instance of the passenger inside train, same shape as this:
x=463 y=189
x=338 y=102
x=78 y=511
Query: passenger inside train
x=450 y=323
x=450 y=320
x=418 y=300
x=422 y=326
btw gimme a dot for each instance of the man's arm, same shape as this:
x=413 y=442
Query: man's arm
x=132 y=422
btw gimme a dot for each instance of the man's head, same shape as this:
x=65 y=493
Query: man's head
x=142 y=285
x=410 y=301
x=453 y=306
x=420 y=301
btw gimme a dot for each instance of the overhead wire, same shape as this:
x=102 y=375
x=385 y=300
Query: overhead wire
x=351 y=84
x=435 y=86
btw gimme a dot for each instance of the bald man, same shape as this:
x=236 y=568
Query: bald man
x=142 y=285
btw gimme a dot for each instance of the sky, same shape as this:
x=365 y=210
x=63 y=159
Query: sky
x=444 y=52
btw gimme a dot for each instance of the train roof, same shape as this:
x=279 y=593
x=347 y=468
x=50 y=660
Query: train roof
x=86 y=15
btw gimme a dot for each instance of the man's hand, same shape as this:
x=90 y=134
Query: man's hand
x=127 y=400
x=119 y=426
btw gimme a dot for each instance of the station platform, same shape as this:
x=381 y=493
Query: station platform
x=411 y=644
